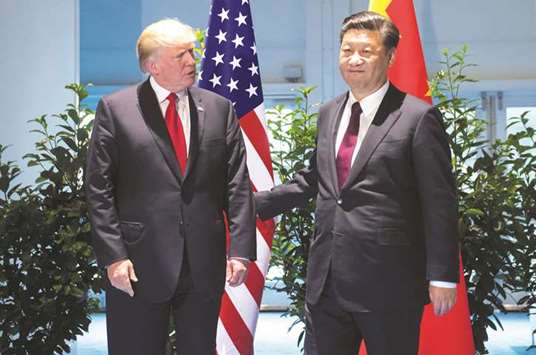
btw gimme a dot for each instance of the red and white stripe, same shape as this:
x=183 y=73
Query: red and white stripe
x=240 y=305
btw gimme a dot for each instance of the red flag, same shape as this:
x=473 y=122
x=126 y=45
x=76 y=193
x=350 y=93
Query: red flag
x=230 y=68
x=449 y=334
x=408 y=73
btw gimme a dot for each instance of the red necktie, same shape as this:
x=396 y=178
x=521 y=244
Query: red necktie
x=343 y=161
x=176 y=132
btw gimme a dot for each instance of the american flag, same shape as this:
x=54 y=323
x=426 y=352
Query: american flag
x=231 y=69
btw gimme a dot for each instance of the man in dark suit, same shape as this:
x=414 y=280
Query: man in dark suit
x=385 y=239
x=166 y=160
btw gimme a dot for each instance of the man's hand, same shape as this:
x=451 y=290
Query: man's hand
x=443 y=299
x=237 y=271
x=120 y=274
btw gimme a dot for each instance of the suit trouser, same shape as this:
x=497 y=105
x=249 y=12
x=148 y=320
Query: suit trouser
x=336 y=331
x=137 y=327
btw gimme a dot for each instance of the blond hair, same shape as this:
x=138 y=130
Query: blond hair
x=164 y=33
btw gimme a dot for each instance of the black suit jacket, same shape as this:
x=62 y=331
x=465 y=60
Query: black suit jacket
x=393 y=225
x=142 y=208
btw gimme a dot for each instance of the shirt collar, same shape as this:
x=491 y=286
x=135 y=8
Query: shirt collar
x=372 y=102
x=161 y=93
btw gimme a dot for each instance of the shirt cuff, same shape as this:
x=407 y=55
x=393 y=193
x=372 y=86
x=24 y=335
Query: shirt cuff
x=444 y=284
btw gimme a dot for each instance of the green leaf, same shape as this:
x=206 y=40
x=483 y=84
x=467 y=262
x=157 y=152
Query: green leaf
x=67 y=128
x=73 y=114
x=70 y=143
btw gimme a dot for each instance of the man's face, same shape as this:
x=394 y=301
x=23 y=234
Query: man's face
x=174 y=67
x=364 y=61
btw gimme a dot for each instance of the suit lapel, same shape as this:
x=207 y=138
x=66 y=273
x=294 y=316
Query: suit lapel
x=340 y=103
x=197 y=125
x=154 y=120
x=388 y=113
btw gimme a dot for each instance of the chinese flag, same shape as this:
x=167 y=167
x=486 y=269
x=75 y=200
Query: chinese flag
x=450 y=334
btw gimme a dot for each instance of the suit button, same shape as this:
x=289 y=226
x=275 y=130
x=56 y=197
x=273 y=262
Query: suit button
x=181 y=223
x=339 y=201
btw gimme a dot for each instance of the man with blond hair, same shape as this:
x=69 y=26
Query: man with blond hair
x=166 y=162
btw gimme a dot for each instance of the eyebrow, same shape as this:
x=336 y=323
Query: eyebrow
x=181 y=53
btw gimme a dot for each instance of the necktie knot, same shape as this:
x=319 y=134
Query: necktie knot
x=355 y=114
x=172 y=98
x=356 y=110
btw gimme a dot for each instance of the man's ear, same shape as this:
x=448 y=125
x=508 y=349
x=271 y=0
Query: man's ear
x=391 y=55
x=151 y=66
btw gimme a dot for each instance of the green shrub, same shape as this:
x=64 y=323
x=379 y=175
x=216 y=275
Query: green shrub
x=294 y=132
x=497 y=200
x=46 y=262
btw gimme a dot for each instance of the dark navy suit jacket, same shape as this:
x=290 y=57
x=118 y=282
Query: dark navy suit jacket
x=392 y=226
x=143 y=208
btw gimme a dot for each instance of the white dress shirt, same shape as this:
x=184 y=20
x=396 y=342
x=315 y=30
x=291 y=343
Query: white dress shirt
x=370 y=106
x=183 y=108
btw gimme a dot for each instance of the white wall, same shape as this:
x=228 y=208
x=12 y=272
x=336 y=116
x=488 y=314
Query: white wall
x=39 y=56
x=194 y=13
x=108 y=33
x=500 y=34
